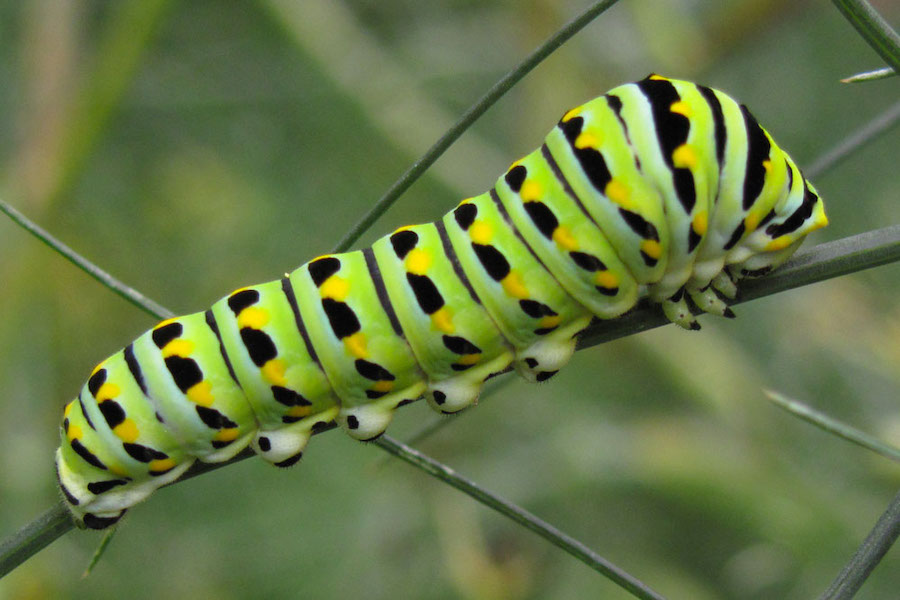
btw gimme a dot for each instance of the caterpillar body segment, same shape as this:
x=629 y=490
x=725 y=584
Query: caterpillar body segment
x=455 y=341
x=662 y=187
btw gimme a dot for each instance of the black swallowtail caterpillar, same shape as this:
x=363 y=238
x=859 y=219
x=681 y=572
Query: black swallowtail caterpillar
x=662 y=186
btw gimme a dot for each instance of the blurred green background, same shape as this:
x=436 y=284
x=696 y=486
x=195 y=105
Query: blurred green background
x=192 y=147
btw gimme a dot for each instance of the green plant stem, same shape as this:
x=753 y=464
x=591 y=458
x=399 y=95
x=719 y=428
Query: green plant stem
x=419 y=167
x=128 y=293
x=831 y=425
x=520 y=516
x=873 y=28
x=868 y=555
x=869 y=132
x=825 y=261
x=34 y=537
x=875 y=75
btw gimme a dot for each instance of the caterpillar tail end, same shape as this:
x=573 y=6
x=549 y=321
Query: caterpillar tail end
x=102 y=503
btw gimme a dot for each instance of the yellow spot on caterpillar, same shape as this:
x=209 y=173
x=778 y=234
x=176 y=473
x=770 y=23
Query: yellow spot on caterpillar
x=617 y=192
x=779 y=243
x=299 y=411
x=701 y=222
x=200 y=393
x=126 y=431
x=606 y=279
x=418 y=261
x=655 y=77
x=443 y=320
x=161 y=464
x=178 y=347
x=751 y=222
x=572 y=113
x=335 y=287
x=481 y=232
x=356 y=344
x=651 y=248
x=469 y=359
x=531 y=190
x=68 y=409
x=514 y=286
x=118 y=470
x=74 y=432
x=767 y=165
x=273 y=371
x=97 y=368
x=548 y=322
x=564 y=238
x=107 y=391
x=227 y=435
x=253 y=317
x=682 y=108
x=587 y=140
x=383 y=386
x=684 y=157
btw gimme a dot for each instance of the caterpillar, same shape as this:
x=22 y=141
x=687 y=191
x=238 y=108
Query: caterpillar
x=660 y=187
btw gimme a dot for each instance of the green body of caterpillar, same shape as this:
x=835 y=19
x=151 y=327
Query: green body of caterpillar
x=660 y=185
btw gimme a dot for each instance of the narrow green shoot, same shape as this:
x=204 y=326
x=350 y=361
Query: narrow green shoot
x=832 y=425
x=34 y=537
x=868 y=555
x=873 y=28
x=106 y=280
x=496 y=92
x=518 y=515
x=875 y=128
x=101 y=550
x=875 y=75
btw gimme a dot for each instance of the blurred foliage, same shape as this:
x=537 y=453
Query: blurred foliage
x=191 y=147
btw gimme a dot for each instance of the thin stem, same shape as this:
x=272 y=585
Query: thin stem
x=868 y=555
x=879 y=125
x=832 y=425
x=128 y=293
x=419 y=167
x=101 y=550
x=519 y=515
x=34 y=537
x=870 y=75
x=873 y=28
